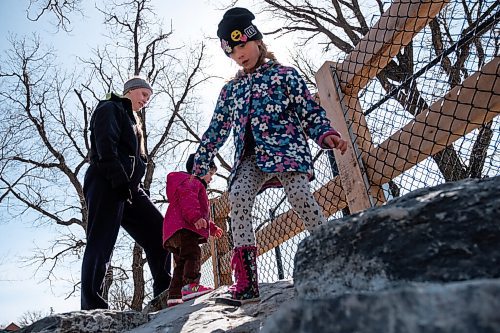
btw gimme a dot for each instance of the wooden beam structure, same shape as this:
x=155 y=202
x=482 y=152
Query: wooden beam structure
x=352 y=176
x=365 y=167
x=394 y=30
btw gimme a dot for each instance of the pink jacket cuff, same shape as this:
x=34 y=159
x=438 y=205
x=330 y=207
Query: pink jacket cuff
x=213 y=227
x=330 y=132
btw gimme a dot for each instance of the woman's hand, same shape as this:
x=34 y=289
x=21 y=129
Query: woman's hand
x=123 y=193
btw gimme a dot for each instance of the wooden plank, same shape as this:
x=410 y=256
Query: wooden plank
x=359 y=128
x=331 y=197
x=357 y=123
x=394 y=30
x=461 y=110
x=221 y=206
x=213 y=254
x=353 y=179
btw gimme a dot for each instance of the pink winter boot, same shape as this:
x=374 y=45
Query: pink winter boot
x=245 y=288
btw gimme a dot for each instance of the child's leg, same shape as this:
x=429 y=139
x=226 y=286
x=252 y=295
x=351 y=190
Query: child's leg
x=187 y=256
x=299 y=195
x=190 y=253
x=174 y=292
x=246 y=184
x=175 y=286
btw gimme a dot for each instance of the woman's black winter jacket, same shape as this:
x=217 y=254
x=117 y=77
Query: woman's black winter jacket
x=114 y=144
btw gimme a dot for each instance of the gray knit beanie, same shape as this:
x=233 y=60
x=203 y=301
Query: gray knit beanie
x=136 y=83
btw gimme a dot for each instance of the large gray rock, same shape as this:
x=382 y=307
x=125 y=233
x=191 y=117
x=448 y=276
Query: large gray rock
x=198 y=315
x=203 y=315
x=446 y=233
x=88 y=321
x=460 y=307
x=428 y=262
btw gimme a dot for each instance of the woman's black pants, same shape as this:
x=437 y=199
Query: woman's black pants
x=141 y=219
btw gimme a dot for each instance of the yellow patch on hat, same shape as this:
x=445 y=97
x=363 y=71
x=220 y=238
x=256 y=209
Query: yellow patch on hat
x=236 y=35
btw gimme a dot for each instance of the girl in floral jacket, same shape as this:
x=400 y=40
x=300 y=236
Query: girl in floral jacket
x=271 y=113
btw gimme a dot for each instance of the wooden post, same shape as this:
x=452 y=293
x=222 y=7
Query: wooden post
x=352 y=177
x=218 y=249
x=362 y=137
x=215 y=266
x=223 y=247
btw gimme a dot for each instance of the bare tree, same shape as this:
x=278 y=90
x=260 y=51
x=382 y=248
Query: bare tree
x=175 y=72
x=29 y=317
x=338 y=26
x=61 y=9
x=44 y=127
x=44 y=151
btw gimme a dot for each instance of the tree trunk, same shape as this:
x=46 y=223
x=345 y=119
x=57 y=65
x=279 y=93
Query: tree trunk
x=138 y=276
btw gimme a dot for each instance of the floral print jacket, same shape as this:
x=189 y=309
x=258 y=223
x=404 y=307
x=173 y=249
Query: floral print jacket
x=282 y=114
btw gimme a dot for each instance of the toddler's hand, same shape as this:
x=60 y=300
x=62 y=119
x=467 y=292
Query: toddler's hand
x=201 y=223
x=335 y=142
x=218 y=233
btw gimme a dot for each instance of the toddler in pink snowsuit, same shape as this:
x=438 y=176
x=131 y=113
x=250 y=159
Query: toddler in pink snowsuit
x=186 y=224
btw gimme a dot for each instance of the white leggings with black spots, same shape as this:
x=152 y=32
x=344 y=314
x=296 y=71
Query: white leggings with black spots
x=247 y=183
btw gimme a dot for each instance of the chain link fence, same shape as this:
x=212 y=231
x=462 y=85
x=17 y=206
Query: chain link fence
x=418 y=97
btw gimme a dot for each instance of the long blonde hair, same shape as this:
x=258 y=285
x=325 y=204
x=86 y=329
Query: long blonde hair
x=139 y=133
x=264 y=54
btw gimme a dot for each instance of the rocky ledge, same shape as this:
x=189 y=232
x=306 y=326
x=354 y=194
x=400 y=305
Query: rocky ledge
x=426 y=262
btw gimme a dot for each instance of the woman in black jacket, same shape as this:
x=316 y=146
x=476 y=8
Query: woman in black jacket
x=114 y=196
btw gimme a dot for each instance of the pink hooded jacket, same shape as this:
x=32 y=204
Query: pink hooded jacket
x=188 y=202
